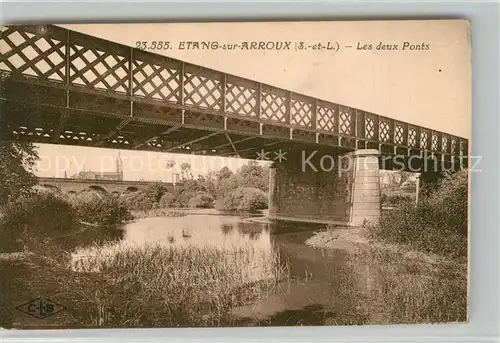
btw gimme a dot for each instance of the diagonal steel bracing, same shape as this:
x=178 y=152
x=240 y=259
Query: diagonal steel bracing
x=162 y=134
x=192 y=141
x=79 y=75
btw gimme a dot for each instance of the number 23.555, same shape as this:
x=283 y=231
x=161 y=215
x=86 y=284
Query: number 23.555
x=152 y=45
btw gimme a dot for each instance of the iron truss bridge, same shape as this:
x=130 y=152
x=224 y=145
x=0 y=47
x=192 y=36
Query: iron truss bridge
x=64 y=87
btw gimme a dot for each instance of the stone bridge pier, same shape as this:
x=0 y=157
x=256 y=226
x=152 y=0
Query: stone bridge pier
x=340 y=189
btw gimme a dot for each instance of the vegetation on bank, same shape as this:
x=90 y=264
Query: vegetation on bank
x=164 y=287
x=397 y=288
x=438 y=225
x=158 y=212
x=147 y=286
x=244 y=190
x=18 y=160
x=411 y=267
x=43 y=214
x=409 y=290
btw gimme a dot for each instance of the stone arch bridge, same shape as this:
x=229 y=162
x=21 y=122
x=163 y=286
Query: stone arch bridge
x=104 y=186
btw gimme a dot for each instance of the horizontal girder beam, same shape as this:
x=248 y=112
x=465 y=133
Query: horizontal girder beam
x=80 y=73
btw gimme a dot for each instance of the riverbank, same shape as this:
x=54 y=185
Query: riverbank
x=399 y=284
x=353 y=239
x=157 y=212
x=135 y=286
x=144 y=279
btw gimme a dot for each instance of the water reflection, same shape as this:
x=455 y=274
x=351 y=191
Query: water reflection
x=86 y=236
x=199 y=230
x=315 y=294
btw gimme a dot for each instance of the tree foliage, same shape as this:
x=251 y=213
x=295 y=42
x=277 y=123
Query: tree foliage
x=245 y=189
x=186 y=171
x=18 y=160
x=155 y=191
x=438 y=224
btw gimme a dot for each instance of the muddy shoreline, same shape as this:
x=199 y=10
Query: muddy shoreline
x=355 y=239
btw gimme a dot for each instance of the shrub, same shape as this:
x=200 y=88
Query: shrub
x=201 y=201
x=35 y=218
x=102 y=210
x=155 y=191
x=437 y=225
x=245 y=199
x=448 y=207
x=137 y=201
x=167 y=200
x=182 y=198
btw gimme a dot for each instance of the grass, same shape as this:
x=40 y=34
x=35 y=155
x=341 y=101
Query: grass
x=401 y=290
x=411 y=267
x=423 y=277
x=157 y=286
x=122 y=286
x=157 y=212
x=438 y=225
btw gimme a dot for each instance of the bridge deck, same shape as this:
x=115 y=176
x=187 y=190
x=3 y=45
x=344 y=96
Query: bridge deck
x=64 y=87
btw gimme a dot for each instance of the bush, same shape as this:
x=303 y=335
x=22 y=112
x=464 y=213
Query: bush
x=448 y=207
x=155 y=191
x=102 y=210
x=167 y=200
x=36 y=217
x=245 y=199
x=201 y=201
x=182 y=197
x=437 y=225
x=137 y=201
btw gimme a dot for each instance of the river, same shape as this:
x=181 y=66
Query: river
x=314 y=295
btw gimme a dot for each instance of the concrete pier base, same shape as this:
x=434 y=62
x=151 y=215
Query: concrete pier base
x=365 y=198
x=348 y=194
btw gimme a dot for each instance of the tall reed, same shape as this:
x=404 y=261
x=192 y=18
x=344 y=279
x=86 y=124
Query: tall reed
x=158 y=286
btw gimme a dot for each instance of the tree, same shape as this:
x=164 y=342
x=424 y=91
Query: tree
x=224 y=173
x=170 y=164
x=186 y=171
x=155 y=191
x=18 y=160
x=254 y=175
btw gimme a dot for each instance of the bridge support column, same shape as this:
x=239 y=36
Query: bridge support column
x=272 y=202
x=344 y=192
x=365 y=197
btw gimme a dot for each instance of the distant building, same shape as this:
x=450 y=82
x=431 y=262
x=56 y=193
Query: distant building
x=112 y=176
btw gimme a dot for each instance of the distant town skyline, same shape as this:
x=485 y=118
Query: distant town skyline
x=67 y=160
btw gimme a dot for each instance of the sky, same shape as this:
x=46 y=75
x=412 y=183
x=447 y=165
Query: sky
x=430 y=88
x=61 y=160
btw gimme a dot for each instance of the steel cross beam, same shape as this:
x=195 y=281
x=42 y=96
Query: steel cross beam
x=232 y=145
x=76 y=73
x=193 y=141
x=115 y=132
x=164 y=133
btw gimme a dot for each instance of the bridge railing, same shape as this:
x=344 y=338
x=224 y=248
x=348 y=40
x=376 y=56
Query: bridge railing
x=74 y=60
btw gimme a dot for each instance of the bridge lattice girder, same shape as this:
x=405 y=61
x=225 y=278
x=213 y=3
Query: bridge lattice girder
x=64 y=87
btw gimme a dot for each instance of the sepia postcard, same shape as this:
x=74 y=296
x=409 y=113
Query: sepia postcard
x=234 y=174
